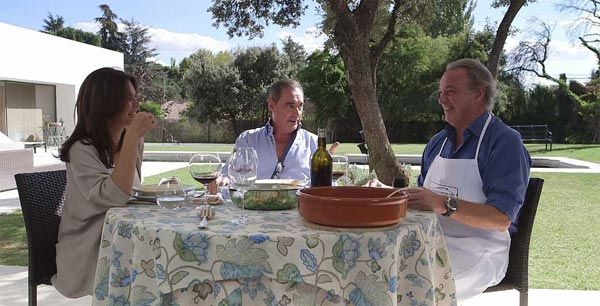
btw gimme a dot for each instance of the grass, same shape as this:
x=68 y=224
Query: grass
x=590 y=153
x=566 y=234
x=13 y=240
x=344 y=148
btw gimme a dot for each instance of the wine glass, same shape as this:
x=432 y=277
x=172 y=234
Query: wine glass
x=205 y=168
x=243 y=166
x=170 y=193
x=340 y=167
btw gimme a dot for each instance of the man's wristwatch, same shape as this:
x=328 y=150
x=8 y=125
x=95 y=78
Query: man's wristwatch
x=451 y=206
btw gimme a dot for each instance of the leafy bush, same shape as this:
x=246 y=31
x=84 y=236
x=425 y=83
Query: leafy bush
x=152 y=107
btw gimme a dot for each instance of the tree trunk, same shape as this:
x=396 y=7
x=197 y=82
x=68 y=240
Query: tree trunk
x=381 y=155
x=234 y=125
x=352 y=35
x=502 y=34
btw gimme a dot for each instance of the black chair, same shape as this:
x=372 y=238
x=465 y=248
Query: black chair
x=517 y=275
x=42 y=198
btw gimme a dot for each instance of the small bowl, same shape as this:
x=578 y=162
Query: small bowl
x=351 y=206
x=267 y=196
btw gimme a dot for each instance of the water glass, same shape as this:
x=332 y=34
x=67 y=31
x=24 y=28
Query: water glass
x=170 y=193
x=243 y=166
x=340 y=167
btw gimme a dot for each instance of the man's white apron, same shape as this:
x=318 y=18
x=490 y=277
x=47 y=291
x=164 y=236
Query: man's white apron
x=478 y=257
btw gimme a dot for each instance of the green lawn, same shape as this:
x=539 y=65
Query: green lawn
x=344 y=148
x=13 y=240
x=564 y=248
x=589 y=153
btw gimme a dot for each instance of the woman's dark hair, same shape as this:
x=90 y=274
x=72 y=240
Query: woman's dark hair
x=101 y=98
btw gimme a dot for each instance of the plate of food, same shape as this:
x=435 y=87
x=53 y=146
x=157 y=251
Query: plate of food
x=148 y=192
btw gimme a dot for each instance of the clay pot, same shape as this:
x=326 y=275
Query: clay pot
x=351 y=206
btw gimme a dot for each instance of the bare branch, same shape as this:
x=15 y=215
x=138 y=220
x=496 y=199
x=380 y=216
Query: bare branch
x=590 y=47
x=589 y=16
x=530 y=56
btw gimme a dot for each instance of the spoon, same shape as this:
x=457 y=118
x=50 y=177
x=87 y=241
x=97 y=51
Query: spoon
x=204 y=212
x=204 y=223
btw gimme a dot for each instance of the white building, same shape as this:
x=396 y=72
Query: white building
x=40 y=76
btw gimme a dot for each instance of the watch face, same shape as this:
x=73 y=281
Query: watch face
x=453 y=204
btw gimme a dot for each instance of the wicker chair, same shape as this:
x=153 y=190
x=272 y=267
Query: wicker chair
x=517 y=275
x=42 y=198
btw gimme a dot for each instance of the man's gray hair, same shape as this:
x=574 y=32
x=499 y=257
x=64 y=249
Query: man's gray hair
x=276 y=88
x=479 y=76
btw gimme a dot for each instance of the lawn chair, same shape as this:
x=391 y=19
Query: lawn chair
x=517 y=275
x=42 y=198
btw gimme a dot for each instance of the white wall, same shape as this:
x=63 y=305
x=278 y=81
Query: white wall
x=35 y=57
x=45 y=97
x=65 y=104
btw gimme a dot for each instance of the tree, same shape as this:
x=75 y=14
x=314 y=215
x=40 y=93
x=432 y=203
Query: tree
x=357 y=37
x=258 y=68
x=53 y=23
x=530 y=58
x=295 y=54
x=214 y=89
x=109 y=31
x=514 y=6
x=407 y=94
x=79 y=35
x=135 y=43
x=153 y=108
x=451 y=17
x=161 y=85
x=325 y=84
x=587 y=26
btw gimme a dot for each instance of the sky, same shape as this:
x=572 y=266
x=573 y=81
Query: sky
x=180 y=27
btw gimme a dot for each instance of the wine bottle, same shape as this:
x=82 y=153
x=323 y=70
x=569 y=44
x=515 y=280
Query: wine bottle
x=321 y=164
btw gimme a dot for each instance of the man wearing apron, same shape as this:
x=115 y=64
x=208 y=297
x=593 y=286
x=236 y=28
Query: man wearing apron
x=474 y=175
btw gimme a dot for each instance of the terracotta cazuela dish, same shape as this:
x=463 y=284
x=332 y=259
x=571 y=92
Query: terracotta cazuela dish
x=349 y=206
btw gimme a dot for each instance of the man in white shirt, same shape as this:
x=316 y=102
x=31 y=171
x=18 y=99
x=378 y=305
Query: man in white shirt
x=283 y=147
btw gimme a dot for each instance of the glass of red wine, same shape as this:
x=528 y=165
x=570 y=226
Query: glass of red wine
x=205 y=168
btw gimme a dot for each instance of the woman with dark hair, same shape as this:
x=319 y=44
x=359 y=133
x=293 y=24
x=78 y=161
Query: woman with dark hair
x=103 y=158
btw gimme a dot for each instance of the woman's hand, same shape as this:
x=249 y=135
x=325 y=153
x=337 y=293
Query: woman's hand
x=222 y=181
x=141 y=123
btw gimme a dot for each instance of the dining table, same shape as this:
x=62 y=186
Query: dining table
x=154 y=256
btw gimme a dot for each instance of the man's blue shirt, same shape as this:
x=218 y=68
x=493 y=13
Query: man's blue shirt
x=503 y=161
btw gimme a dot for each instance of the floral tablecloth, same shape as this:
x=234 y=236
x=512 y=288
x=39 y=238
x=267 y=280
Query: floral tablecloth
x=152 y=256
